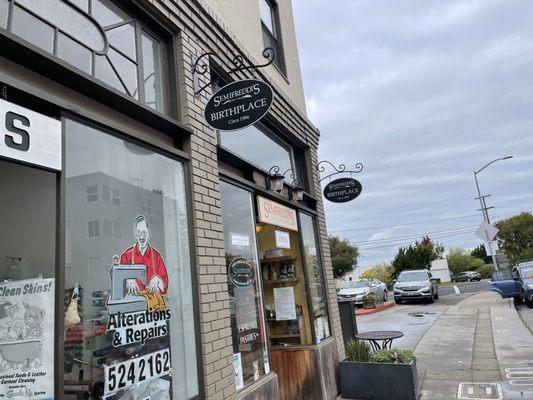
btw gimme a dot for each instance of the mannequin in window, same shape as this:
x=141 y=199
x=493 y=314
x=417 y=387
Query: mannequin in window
x=142 y=253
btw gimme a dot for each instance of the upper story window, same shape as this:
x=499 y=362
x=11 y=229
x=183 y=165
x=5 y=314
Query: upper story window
x=271 y=34
x=260 y=147
x=96 y=37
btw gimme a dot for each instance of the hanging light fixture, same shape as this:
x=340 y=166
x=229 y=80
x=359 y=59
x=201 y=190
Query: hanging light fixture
x=275 y=179
x=297 y=191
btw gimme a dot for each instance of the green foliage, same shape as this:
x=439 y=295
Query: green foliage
x=485 y=271
x=343 y=256
x=358 y=351
x=516 y=237
x=480 y=252
x=417 y=256
x=396 y=356
x=460 y=260
x=384 y=272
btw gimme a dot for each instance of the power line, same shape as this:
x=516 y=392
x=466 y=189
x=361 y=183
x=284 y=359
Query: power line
x=405 y=241
x=407 y=223
x=415 y=235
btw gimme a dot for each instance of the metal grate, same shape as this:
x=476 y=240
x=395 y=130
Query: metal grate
x=479 y=391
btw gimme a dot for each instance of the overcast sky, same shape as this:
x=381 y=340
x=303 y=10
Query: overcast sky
x=423 y=93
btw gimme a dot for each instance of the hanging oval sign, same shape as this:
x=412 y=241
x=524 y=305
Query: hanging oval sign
x=241 y=272
x=238 y=105
x=342 y=190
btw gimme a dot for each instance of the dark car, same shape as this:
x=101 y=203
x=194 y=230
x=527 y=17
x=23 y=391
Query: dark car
x=517 y=283
x=466 y=276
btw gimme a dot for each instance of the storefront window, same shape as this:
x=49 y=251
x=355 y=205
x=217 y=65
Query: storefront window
x=129 y=317
x=250 y=357
x=315 y=279
x=261 y=149
x=27 y=288
x=101 y=40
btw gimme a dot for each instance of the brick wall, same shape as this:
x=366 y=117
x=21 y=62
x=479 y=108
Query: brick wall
x=201 y=30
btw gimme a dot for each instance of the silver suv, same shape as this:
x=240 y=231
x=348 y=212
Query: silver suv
x=415 y=284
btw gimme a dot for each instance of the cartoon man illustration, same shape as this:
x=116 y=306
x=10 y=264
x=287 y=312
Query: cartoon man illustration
x=143 y=253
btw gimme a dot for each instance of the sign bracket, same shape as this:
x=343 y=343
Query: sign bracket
x=358 y=167
x=201 y=67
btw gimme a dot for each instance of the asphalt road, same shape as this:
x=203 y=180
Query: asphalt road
x=466 y=287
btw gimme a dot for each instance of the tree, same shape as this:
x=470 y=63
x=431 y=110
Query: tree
x=458 y=260
x=481 y=252
x=343 y=256
x=516 y=236
x=417 y=256
x=384 y=272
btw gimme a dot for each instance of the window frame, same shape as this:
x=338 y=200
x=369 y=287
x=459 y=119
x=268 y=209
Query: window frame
x=276 y=36
x=23 y=52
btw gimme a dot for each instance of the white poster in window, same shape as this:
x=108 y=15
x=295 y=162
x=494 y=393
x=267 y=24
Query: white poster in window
x=237 y=367
x=240 y=240
x=283 y=240
x=284 y=303
x=27 y=339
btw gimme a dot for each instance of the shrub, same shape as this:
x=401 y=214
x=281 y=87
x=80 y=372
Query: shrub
x=485 y=271
x=358 y=351
x=474 y=264
x=396 y=356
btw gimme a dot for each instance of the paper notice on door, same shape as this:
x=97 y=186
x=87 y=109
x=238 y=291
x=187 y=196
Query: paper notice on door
x=283 y=240
x=240 y=240
x=27 y=339
x=237 y=368
x=284 y=303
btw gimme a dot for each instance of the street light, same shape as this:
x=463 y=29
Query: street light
x=483 y=208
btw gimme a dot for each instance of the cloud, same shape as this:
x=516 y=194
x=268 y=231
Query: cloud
x=423 y=93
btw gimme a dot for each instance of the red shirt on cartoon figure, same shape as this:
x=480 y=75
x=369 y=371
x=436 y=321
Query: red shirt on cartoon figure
x=143 y=253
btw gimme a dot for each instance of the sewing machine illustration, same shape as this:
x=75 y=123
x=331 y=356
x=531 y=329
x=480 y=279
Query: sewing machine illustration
x=119 y=299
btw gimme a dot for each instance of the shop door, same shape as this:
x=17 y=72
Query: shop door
x=27 y=269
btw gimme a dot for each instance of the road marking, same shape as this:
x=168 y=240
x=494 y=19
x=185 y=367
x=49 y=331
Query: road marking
x=522 y=376
x=456 y=289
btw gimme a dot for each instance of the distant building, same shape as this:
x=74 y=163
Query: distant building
x=439 y=269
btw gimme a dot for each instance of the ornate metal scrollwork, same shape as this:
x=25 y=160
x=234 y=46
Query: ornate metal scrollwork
x=201 y=66
x=358 y=167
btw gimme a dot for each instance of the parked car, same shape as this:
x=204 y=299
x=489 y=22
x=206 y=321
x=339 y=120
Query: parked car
x=415 y=284
x=355 y=290
x=516 y=283
x=466 y=276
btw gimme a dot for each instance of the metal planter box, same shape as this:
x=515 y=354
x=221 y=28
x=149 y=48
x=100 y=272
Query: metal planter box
x=379 y=381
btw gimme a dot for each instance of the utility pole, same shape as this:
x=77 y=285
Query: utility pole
x=484 y=207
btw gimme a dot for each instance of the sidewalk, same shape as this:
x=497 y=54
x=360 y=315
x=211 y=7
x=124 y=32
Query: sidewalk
x=461 y=348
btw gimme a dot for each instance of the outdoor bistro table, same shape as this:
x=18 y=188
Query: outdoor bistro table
x=386 y=338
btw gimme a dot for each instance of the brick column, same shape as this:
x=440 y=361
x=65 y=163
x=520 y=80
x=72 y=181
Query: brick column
x=214 y=324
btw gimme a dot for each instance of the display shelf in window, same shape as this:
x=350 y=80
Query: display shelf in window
x=277 y=259
x=280 y=281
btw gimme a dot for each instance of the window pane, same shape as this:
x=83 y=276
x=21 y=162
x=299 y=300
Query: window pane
x=272 y=42
x=259 y=149
x=28 y=239
x=315 y=278
x=106 y=13
x=69 y=20
x=74 y=53
x=158 y=243
x=123 y=38
x=83 y=4
x=4 y=8
x=33 y=30
x=126 y=70
x=267 y=15
x=153 y=86
x=104 y=72
x=247 y=317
